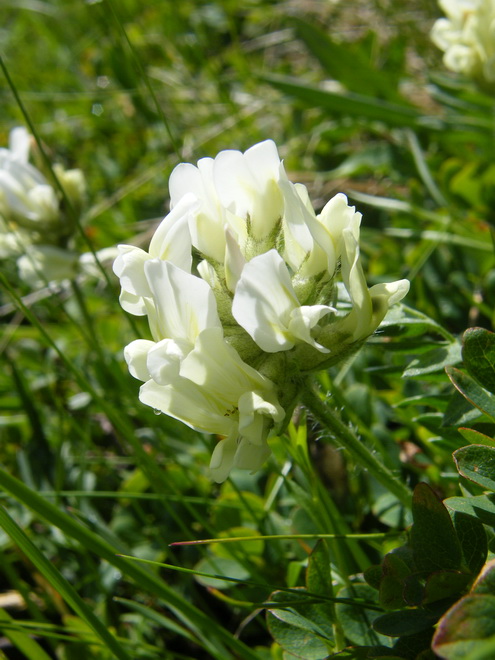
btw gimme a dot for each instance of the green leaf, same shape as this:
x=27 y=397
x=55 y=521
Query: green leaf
x=405 y=622
x=476 y=437
x=480 y=506
x=479 y=356
x=395 y=572
x=300 y=626
x=434 y=360
x=346 y=62
x=485 y=582
x=433 y=539
x=460 y=411
x=412 y=323
x=445 y=584
x=221 y=566
x=469 y=621
x=373 y=576
x=22 y=641
x=473 y=392
x=485 y=650
x=356 y=621
x=473 y=540
x=477 y=463
x=319 y=578
x=318 y=574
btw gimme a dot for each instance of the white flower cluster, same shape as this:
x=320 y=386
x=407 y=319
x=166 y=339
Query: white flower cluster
x=467 y=37
x=32 y=224
x=239 y=287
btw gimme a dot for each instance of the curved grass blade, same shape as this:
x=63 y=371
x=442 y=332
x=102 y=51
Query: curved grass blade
x=59 y=583
x=28 y=646
x=209 y=634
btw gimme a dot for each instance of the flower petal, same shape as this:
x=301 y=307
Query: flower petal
x=189 y=404
x=136 y=356
x=172 y=239
x=263 y=301
x=247 y=185
x=304 y=319
x=164 y=360
x=129 y=268
x=222 y=459
x=185 y=304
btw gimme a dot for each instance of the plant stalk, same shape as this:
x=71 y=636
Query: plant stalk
x=346 y=438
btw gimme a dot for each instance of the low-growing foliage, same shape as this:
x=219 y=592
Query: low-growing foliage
x=368 y=531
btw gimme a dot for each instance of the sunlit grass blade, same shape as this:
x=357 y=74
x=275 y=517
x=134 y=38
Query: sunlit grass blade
x=346 y=62
x=60 y=584
x=350 y=103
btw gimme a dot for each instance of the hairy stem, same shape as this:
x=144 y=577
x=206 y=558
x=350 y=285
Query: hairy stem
x=346 y=438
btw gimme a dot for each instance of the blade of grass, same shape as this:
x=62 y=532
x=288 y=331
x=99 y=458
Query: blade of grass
x=381 y=536
x=25 y=644
x=345 y=63
x=312 y=597
x=144 y=77
x=424 y=170
x=209 y=633
x=61 y=585
x=350 y=103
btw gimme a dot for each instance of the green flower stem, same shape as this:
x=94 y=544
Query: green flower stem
x=345 y=437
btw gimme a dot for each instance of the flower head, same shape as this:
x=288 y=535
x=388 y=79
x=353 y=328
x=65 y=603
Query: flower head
x=467 y=37
x=25 y=194
x=33 y=225
x=240 y=290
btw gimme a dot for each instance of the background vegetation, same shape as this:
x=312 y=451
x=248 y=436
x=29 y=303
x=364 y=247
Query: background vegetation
x=358 y=101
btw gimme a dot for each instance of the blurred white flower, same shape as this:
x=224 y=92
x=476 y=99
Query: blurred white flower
x=240 y=290
x=25 y=195
x=467 y=37
x=87 y=261
x=42 y=264
x=34 y=225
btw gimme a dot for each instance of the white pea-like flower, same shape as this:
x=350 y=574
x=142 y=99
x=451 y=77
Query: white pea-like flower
x=239 y=286
x=25 y=195
x=467 y=36
x=34 y=224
